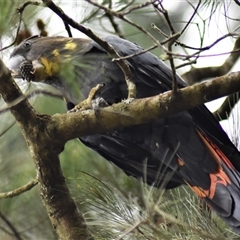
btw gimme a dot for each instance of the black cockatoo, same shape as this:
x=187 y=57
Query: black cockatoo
x=186 y=148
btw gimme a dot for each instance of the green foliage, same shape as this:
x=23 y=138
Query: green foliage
x=7 y=17
x=150 y=214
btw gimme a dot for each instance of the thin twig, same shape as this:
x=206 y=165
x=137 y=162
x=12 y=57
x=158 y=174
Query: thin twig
x=184 y=57
x=170 y=40
x=141 y=6
x=110 y=50
x=156 y=4
x=194 y=61
x=181 y=223
x=174 y=78
x=10 y=225
x=20 y=11
x=199 y=74
x=122 y=17
x=135 y=54
x=112 y=21
x=7 y=128
x=237 y=2
x=159 y=30
x=187 y=57
x=19 y=190
x=3 y=229
x=29 y=95
x=130 y=229
x=25 y=4
x=115 y=25
x=201 y=49
x=129 y=3
x=191 y=18
x=68 y=29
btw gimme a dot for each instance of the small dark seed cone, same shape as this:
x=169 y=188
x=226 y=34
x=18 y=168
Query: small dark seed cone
x=26 y=70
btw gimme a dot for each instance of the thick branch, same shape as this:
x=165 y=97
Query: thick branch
x=199 y=74
x=61 y=209
x=124 y=114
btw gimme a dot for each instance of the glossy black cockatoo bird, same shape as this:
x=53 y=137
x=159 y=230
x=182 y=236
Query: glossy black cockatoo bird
x=186 y=148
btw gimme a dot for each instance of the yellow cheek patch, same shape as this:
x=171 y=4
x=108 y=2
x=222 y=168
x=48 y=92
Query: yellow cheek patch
x=51 y=68
x=55 y=53
x=70 y=45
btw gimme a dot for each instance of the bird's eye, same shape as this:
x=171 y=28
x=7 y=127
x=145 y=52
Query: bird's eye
x=27 y=44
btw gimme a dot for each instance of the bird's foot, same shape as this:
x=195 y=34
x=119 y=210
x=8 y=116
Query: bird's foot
x=129 y=100
x=91 y=102
x=98 y=103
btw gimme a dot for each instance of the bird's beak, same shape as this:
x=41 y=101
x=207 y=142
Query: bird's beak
x=39 y=69
x=13 y=64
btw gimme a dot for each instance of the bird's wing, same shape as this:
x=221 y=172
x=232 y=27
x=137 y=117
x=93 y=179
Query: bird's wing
x=136 y=158
x=202 y=154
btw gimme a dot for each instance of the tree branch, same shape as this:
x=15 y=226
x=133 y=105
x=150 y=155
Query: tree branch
x=140 y=111
x=63 y=127
x=20 y=190
x=199 y=74
x=61 y=209
x=10 y=225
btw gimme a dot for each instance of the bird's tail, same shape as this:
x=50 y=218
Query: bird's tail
x=223 y=195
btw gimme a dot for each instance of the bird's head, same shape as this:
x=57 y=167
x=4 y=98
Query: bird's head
x=50 y=52
x=58 y=61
